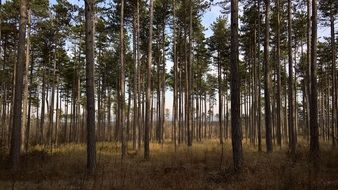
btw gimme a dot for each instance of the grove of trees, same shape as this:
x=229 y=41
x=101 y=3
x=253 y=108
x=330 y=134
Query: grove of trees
x=136 y=72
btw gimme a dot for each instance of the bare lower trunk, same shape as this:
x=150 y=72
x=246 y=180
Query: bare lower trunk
x=235 y=91
x=148 y=108
x=90 y=31
x=17 y=115
x=314 y=136
x=267 y=79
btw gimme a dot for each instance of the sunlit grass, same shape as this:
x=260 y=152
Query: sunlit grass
x=198 y=167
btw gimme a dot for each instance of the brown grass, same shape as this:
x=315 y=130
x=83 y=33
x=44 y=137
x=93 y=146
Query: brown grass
x=197 y=168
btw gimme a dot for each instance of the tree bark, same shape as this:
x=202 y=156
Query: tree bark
x=259 y=77
x=220 y=101
x=267 y=79
x=292 y=144
x=175 y=76
x=148 y=108
x=122 y=83
x=90 y=31
x=17 y=115
x=25 y=130
x=235 y=91
x=279 y=138
x=314 y=136
x=334 y=95
x=135 y=80
x=189 y=85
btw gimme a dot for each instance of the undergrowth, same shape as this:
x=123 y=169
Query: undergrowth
x=198 y=167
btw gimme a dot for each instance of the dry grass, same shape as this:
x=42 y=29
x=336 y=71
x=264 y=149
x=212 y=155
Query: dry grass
x=197 y=168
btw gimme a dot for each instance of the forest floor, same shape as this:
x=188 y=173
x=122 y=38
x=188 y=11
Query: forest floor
x=199 y=167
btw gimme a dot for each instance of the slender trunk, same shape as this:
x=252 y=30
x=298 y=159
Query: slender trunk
x=57 y=117
x=189 y=69
x=90 y=31
x=292 y=144
x=122 y=82
x=148 y=108
x=127 y=136
x=29 y=109
x=308 y=61
x=279 y=138
x=267 y=79
x=42 y=114
x=17 y=122
x=163 y=81
x=51 y=111
x=259 y=77
x=25 y=130
x=135 y=81
x=235 y=91
x=175 y=75
x=314 y=136
x=333 y=65
x=220 y=106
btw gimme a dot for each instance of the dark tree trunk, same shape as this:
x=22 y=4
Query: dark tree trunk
x=90 y=26
x=259 y=77
x=122 y=83
x=292 y=144
x=189 y=85
x=220 y=101
x=279 y=107
x=16 y=127
x=175 y=114
x=334 y=95
x=235 y=91
x=308 y=61
x=25 y=130
x=148 y=108
x=267 y=79
x=135 y=79
x=314 y=136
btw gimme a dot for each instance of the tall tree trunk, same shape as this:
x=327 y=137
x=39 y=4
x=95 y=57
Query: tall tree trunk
x=279 y=108
x=25 y=130
x=175 y=114
x=127 y=136
x=255 y=91
x=90 y=33
x=314 y=136
x=135 y=79
x=2 y=135
x=16 y=127
x=148 y=108
x=292 y=144
x=308 y=61
x=235 y=91
x=285 y=136
x=58 y=112
x=220 y=101
x=51 y=111
x=28 y=125
x=189 y=85
x=163 y=80
x=43 y=97
x=259 y=77
x=139 y=112
x=122 y=82
x=333 y=65
x=267 y=79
